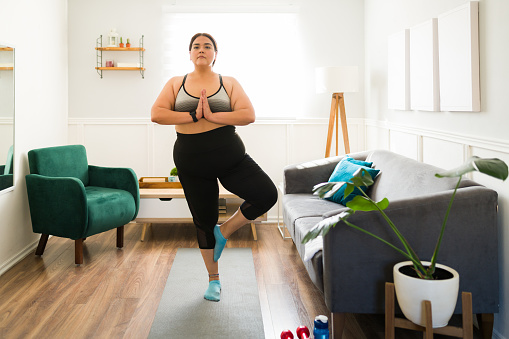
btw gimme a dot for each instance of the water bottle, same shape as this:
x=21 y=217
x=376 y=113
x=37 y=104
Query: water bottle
x=321 y=330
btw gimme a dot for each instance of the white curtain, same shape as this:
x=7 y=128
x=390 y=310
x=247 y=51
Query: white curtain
x=261 y=50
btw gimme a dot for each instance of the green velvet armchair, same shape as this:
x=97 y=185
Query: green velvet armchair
x=69 y=198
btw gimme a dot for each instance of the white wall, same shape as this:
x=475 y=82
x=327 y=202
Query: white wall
x=323 y=23
x=38 y=31
x=111 y=116
x=445 y=139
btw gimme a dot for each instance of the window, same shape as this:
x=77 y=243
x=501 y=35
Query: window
x=261 y=50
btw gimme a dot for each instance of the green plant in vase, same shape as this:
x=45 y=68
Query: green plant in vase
x=173 y=174
x=121 y=45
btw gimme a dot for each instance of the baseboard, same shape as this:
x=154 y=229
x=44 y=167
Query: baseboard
x=271 y=220
x=18 y=257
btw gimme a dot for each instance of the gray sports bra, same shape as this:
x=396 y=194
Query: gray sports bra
x=218 y=102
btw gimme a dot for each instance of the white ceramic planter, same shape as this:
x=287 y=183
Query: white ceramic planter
x=411 y=292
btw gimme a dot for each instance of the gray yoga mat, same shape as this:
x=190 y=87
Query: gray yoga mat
x=184 y=313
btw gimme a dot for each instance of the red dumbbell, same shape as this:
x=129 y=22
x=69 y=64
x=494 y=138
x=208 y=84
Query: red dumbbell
x=302 y=332
x=286 y=334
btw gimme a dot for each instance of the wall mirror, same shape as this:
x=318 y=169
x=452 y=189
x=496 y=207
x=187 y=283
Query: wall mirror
x=6 y=118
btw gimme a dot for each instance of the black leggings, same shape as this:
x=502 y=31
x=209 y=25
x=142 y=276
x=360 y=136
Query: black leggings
x=201 y=159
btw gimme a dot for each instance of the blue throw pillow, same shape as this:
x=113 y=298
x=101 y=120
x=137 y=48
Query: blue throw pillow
x=344 y=171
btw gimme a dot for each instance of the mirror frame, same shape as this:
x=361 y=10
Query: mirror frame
x=11 y=188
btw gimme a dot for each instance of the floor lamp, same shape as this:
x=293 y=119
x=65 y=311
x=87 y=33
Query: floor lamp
x=337 y=80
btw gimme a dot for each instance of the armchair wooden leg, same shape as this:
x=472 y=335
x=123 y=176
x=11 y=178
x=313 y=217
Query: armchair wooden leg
x=486 y=321
x=338 y=325
x=120 y=236
x=42 y=244
x=78 y=251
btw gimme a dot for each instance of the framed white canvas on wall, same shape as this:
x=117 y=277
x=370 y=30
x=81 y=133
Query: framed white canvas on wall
x=398 y=70
x=424 y=83
x=458 y=36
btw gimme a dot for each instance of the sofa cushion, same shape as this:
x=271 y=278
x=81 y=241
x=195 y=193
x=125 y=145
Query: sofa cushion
x=402 y=177
x=344 y=171
x=107 y=208
x=315 y=265
x=298 y=206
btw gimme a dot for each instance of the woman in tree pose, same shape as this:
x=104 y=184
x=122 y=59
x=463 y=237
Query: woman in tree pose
x=205 y=108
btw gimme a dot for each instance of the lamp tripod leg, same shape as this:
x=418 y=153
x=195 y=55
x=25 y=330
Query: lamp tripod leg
x=337 y=111
x=344 y=127
x=333 y=114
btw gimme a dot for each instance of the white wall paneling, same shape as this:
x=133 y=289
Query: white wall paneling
x=147 y=148
x=160 y=149
x=398 y=70
x=377 y=135
x=379 y=130
x=405 y=143
x=458 y=40
x=424 y=91
x=122 y=146
x=442 y=153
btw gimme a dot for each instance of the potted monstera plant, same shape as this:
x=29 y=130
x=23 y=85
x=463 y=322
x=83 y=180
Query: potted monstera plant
x=414 y=280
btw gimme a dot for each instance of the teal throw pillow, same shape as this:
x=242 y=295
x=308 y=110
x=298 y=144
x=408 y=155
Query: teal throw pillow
x=344 y=171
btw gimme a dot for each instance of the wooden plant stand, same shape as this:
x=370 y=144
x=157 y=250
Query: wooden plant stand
x=391 y=322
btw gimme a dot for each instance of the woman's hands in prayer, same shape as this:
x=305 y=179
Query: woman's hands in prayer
x=199 y=109
x=203 y=109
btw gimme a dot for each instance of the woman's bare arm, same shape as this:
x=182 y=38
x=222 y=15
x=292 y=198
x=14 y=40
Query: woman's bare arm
x=162 y=111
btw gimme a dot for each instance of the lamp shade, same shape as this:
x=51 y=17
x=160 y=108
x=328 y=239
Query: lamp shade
x=336 y=79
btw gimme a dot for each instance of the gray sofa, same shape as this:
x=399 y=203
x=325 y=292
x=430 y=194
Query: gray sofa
x=353 y=267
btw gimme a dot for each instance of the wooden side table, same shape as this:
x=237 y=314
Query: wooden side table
x=178 y=193
x=391 y=322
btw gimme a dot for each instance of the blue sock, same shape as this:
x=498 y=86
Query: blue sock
x=213 y=293
x=220 y=243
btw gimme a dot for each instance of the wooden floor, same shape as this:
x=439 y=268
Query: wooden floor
x=115 y=293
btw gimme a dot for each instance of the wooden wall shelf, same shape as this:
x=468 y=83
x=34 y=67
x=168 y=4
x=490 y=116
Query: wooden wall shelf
x=6 y=68
x=121 y=68
x=99 y=57
x=120 y=49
